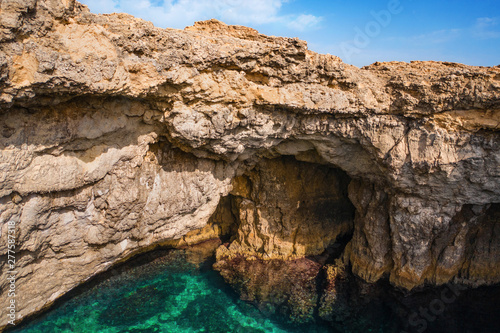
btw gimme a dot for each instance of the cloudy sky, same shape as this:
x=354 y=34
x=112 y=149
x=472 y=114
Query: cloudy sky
x=360 y=32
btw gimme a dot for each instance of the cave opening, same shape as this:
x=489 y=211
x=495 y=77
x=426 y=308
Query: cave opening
x=283 y=227
x=287 y=228
x=283 y=208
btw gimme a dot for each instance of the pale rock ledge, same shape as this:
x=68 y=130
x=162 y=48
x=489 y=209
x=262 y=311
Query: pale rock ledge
x=116 y=136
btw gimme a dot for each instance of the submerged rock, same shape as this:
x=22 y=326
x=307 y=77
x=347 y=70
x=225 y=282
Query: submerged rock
x=287 y=288
x=117 y=136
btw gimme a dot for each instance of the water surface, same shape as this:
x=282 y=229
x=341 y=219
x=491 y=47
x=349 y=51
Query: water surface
x=174 y=292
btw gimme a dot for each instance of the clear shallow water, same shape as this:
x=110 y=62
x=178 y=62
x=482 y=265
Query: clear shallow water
x=171 y=293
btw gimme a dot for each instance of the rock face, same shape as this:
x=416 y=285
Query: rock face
x=116 y=136
x=287 y=209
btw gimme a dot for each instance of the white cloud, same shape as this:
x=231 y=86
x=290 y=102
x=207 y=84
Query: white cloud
x=485 y=28
x=182 y=13
x=304 y=22
x=101 y=6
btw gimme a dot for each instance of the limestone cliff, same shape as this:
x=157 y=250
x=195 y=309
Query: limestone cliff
x=116 y=136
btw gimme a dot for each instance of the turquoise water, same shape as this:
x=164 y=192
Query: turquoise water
x=166 y=294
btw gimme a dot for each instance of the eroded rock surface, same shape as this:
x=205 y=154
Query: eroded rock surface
x=286 y=209
x=117 y=136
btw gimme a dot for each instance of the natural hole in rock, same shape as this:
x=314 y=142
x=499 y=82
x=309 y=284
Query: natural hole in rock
x=480 y=224
x=285 y=209
x=283 y=223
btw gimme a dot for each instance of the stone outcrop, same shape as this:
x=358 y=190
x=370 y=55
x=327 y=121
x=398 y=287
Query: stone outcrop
x=117 y=136
x=288 y=288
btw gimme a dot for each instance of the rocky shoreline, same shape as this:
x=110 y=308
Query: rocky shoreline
x=117 y=136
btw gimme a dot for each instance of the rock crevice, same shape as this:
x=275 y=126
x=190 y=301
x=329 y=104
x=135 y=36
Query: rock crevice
x=117 y=136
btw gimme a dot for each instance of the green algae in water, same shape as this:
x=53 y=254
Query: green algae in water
x=168 y=294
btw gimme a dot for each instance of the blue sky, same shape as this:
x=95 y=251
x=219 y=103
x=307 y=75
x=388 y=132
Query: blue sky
x=359 y=32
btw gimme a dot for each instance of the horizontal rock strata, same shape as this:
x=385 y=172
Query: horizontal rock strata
x=117 y=136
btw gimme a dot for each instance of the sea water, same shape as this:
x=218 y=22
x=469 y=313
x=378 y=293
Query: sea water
x=169 y=293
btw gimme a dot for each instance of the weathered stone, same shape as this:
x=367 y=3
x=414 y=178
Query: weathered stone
x=117 y=136
x=370 y=248
x=285 y=287
x=287 y=209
